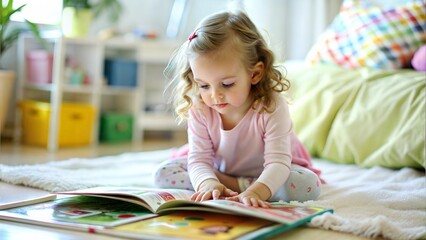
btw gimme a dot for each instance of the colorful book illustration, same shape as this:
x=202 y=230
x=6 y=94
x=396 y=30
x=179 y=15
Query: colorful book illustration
x=201 y=225
x=78 y=212
x=164 y=200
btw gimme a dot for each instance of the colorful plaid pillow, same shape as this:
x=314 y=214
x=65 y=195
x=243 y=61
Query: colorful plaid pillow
x=367 y=35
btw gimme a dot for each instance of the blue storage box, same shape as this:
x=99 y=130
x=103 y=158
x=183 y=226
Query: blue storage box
x=121 y=72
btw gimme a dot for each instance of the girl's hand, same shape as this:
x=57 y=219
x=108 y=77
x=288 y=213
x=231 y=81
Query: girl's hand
x=255 y=196
x=212 y=189
x=250 y=198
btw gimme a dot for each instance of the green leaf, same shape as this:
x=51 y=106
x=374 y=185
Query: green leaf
x=77 y=3
x=112 y=8
x=8 y=38
x=36 y=33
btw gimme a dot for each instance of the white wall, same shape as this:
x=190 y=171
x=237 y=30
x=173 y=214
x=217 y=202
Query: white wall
x=153 y=15
x=292 y=26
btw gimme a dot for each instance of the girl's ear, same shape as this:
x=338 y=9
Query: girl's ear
x=257 y=72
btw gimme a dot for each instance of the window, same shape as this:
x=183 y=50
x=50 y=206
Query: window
x=38 y=11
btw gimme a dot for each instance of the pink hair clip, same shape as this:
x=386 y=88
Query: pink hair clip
x=192 y=36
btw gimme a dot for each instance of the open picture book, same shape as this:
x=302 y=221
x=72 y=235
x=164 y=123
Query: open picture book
x=165 y=200
x=142 y=213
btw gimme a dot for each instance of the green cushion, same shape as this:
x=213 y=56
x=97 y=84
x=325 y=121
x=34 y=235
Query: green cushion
x=365 y=116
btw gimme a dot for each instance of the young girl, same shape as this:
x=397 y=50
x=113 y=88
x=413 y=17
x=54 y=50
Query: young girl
x=240 y=140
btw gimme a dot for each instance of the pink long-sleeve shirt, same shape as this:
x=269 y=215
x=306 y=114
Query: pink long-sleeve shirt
x=259 y=146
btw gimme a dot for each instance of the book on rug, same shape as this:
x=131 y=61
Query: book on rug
x=119 y=218
x=164 y=200
x=78 y=212
x=29 y=201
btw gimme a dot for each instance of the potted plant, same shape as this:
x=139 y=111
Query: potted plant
x=77 y=15
x=7 y=38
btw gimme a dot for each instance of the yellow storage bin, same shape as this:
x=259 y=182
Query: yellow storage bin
x=75 y=123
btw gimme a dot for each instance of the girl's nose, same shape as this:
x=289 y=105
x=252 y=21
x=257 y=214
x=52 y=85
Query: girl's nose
x=217 y=95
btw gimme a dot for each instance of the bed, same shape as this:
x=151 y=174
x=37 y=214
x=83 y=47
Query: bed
x=356 y=103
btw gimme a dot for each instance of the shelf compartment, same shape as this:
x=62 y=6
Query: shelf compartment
x=66 y=88
x=158 y=121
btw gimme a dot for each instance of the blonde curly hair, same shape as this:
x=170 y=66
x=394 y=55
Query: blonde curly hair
x=210 y=35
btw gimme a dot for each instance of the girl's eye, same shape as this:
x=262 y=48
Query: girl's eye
x=204 y=86
x=227 y=85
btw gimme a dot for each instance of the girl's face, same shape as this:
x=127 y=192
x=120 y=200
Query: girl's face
x=224 y=82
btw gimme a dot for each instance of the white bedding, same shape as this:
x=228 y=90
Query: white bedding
x=366 y=202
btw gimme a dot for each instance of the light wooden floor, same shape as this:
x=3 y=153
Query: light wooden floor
x=16 y=154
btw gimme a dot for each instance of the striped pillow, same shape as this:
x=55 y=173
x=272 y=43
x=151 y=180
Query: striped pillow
x=367 y=35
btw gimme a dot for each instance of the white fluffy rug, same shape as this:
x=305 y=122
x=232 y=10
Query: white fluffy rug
x=366 y=202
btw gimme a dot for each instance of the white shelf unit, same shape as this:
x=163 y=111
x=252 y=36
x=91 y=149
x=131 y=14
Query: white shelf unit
x=151 y=56
x=154 y=58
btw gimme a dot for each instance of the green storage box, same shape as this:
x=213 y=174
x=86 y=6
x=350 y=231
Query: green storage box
x=116 y=127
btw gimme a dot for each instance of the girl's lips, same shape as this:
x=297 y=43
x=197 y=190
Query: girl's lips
x=221 y=105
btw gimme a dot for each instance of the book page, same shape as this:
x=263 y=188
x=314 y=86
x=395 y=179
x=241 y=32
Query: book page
x=156 y=198
x=279 y=212
x=150 y=198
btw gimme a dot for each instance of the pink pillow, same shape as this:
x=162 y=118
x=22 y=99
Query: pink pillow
x=419 y=59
